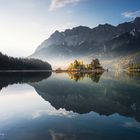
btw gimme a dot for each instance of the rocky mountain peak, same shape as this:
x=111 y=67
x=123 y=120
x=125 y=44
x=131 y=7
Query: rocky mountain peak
x=137 y=20
x=77 y=30
x=137 y=23
x=83 y=40
x=56 y=34
x=106 y=25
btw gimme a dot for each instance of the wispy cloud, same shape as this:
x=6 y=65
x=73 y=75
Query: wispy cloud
x=129 y=14
x=53 y=112
x=61 y=136
x=132 y=125
x=55 y=4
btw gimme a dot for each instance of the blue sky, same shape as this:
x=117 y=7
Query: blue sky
x=26 y=23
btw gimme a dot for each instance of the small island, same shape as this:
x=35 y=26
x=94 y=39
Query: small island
x=79 y=66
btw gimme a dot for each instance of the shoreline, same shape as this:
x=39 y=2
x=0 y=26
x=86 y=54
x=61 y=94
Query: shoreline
x=82 y=71
x=57 y=71
x=25 y=71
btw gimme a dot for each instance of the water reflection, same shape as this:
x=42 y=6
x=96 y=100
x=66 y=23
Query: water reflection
x=8 y=78
x=107 y=97
x=78 y=76
x=113 y=94
x=69 y=110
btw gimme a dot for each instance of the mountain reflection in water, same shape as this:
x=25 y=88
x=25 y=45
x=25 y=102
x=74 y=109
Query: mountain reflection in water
x=108 y=96
x=79 y=106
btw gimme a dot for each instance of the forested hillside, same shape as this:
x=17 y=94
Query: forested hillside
x=11 y=63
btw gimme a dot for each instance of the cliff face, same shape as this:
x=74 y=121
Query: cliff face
x=103 y=40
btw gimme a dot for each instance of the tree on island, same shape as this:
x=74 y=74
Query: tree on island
x=95 y=64
x=79 y=65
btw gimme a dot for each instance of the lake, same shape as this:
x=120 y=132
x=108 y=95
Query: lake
x=69 y=106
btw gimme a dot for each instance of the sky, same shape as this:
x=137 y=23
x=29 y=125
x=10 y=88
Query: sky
x=25 y=24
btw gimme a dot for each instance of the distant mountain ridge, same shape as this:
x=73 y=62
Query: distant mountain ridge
x=126 y=43
x=103 y=40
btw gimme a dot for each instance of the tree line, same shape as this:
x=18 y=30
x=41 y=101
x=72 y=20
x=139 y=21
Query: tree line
x=11 y=63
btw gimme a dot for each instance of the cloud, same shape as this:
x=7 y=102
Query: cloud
x=61 y=136
x=129 y=14
x=53 y=112
x=55 y=4
x=132 y=125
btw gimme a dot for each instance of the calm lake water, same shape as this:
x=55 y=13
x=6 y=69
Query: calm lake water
x=45 y=106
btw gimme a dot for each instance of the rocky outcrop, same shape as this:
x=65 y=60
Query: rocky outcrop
x=104 y=41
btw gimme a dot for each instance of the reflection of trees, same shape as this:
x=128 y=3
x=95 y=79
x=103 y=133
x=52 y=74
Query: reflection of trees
x=109 y=97
x=78 y=76
x=8 y=78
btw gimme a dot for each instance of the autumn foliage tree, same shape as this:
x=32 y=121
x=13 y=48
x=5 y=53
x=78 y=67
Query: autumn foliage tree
x=79 y=65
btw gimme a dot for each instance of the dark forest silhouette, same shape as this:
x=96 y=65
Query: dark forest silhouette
x=9 y=78
x=11 y=63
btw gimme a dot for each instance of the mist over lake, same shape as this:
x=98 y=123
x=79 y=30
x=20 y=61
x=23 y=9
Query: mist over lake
x=70 y=70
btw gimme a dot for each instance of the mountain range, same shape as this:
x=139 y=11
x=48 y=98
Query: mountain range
x=106 y=42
